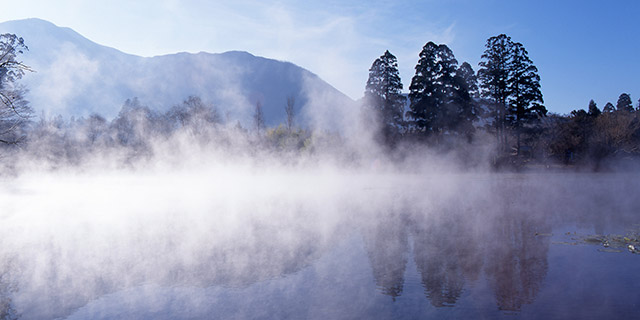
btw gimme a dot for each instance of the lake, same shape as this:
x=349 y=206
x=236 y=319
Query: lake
x=242 y=243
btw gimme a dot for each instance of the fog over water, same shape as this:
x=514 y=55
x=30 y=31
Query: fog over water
x=247 y=239
x=186 y=215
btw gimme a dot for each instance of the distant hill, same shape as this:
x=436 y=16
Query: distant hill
x=76 y=77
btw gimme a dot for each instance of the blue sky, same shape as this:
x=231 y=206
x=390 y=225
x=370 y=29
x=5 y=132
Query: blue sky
x=583 y=49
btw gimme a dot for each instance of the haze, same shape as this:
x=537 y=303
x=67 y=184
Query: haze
x=234 y=186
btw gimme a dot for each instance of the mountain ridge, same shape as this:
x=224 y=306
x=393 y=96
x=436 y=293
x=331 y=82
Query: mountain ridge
x=76 y=77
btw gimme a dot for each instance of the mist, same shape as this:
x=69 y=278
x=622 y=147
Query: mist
x=211 y=207
x=218 y=220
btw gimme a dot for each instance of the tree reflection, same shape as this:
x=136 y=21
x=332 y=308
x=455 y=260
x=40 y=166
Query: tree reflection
x=446 y=255
x=387 y=246
x=517 y=259
x=454 y=238
x=7 y=288
x=88 y=264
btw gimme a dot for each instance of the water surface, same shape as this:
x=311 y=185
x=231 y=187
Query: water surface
x=323 y=245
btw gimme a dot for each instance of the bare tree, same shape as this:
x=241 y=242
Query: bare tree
x=291 y=113
x=14 y=109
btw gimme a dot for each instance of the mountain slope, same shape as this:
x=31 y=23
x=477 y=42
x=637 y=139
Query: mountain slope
x=75 y=76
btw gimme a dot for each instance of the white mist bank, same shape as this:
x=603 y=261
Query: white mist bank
x=72 y=235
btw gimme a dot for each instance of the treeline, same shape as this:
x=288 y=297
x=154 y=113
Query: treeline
x=139 y=133
x=498 y=110
x=448 y=103
x=593 y=136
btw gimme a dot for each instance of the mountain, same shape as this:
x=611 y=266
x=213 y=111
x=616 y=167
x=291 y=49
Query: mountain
x=76 y=77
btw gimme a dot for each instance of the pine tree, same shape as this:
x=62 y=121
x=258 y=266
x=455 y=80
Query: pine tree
x=624 y=103
x=466 y=93
x=446 y=112
x=508 y=77
x=439 y=94
x=383 y=96
x=608 y=108
x=494 y=76
x=423 y=91
x=593 y=109
x=526 y=98
x=470 y=80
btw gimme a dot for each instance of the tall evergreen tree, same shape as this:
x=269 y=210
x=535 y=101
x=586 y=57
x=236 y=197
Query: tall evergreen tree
x=593 y=109
x=470 y=80
x=439 y=94
x=383 y=95
x=624 y=103
x=526 y=98
x=466 y=93
x=508 y=77
x=608 y=108
x=424 y=91
x=494 y=76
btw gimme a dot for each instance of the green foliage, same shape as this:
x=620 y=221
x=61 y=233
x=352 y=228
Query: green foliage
x=469 y=79
x=283 y=139
x=608 y=108
x=524 y=86
x=508 y=77
x=425 y=91
x=445 y=101
x=593 y=109
x=624 y=103
x=494 y=73
x=439 y=94
x=383 y=97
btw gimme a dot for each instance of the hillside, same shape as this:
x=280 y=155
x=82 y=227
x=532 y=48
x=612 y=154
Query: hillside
x=76 y=77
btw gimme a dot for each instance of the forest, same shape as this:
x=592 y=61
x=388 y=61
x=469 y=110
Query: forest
x=449 y=109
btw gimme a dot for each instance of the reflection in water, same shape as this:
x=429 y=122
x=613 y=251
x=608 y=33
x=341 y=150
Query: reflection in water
x=69 y=258
x=67 y=280
x=451 y=247
x=462 y=242
x=517 y=263
x=448 y=253
x=387 y=247
x=438 y=261
x=7 y=289
x=517 y=256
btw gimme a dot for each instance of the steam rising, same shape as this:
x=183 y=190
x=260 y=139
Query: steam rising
x=75 y=240
x=192 y=217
